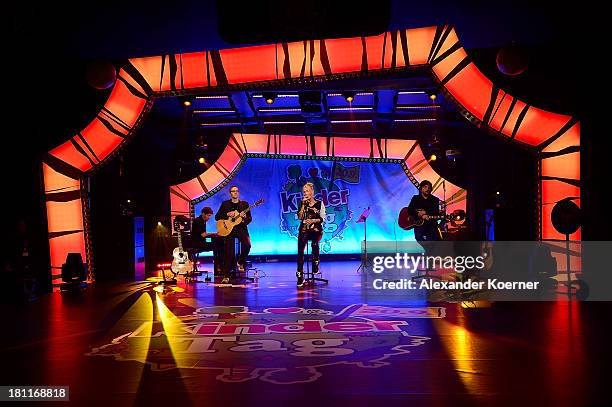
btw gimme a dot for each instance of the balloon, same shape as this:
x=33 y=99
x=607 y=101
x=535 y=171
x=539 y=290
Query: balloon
x=101 y=75
x=512 y=60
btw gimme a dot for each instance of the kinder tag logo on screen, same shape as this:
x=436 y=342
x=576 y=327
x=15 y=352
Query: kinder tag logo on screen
x=330 y=188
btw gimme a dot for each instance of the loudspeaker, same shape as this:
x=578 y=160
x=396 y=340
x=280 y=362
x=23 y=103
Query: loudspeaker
x=74 y=270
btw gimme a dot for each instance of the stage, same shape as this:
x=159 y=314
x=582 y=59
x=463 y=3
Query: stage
x=386 y=134
x=138 y=342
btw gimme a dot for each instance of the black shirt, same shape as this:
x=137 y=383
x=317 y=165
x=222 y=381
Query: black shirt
x=431 y=205
x=228 y=206
x=198 y=227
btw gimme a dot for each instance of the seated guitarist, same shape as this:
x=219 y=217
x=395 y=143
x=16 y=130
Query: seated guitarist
x=199 y=236
x=422 y=206
x=229 y=209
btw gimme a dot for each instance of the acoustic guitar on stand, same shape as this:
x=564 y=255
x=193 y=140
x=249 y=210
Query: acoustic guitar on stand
x=180 y=262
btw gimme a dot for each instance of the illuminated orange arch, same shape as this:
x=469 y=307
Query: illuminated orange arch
x=556 y=137
x=408 y=153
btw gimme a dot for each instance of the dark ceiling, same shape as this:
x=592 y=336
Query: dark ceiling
x=51 y=44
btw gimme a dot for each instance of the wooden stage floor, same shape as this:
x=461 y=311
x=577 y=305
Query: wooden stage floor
x=269 y=343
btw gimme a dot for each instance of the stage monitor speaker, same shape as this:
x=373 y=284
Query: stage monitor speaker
x=565 y=216
x=74 y=270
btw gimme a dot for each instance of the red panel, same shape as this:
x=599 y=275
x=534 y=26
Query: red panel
x=539 y=125
x=166 y=80
x=150 y=69
x=415 y=158
x=553 y=191
x=56 y=182
x=293 y=145
x=374 y=48
x=296 y=58
x=195 y=70
x=419 y=44
x=344 y=54
x=321 y=146
x=123 y=104
x=451 y=39
x=62 y=216
x=255 y=143
x=502 y=105
x=351 y=147
x=397 y=149
x=192 y=188
x=131 y=81
x=568 y=139
x=564 y=166
x=250 y=64
x=471 y=89
x=388 y=51
x=178 y=205
x=60 y=246
x=101 y=139
x=69 y=154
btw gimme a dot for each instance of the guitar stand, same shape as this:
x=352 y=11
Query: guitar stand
x=165 y=280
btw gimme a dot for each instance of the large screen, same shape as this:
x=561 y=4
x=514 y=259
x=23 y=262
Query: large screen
x=347 y=188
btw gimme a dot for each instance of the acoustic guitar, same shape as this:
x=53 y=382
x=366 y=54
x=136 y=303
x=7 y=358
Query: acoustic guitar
x=180 y=262
x=406 y=221
x=225 y=226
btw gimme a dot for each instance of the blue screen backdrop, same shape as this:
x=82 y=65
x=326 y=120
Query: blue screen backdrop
x=346 y=188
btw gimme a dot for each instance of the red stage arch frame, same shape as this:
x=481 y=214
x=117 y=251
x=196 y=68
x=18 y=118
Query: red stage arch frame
x=555 y=137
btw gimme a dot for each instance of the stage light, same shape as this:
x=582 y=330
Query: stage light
x=159 y=223
x=201 y=160
x=186 y=103
x=349 y=96
x=432 y=94
x=310 y=102
x=433 y=157
x=497 y=192
x=129 y=201
x=269 y=97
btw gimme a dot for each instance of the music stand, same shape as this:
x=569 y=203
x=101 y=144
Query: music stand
x=363 y=218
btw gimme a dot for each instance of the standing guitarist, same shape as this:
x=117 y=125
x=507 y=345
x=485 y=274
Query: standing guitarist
x=422 y=206
x=231 y=208
x=312 y=215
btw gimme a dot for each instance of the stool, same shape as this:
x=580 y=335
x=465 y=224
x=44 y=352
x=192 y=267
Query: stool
x=234 y=272
x=309 y=276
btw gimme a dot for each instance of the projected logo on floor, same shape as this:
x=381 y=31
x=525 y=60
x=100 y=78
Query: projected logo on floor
x=328 y=187
x=277 y=345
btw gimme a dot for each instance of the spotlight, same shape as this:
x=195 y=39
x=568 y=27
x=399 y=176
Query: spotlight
x=129 y=201
x=432 y=94
x=433 y=157
x=497 y=192
x=349 y=96
x=159 y=223
x=269 y=97
x=201 y=160
x=186 y=103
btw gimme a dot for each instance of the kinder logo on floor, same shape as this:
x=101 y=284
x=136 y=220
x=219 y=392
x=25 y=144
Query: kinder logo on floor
x=277 y=345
